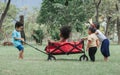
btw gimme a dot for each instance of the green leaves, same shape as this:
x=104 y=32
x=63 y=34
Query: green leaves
x=57 y=11
x=38 y=35
x=64 y=12
x=8 y=23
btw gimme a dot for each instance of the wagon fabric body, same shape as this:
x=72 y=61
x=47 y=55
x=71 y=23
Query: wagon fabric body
x=62 y=48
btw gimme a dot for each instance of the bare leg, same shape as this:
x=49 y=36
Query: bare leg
x=105 y=58
x=21 y=54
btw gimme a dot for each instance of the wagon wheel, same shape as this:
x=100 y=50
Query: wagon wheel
x=51 y=57
x=83 y=58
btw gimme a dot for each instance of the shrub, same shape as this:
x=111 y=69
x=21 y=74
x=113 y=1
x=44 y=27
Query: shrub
x=55 y=35
x=38 y=35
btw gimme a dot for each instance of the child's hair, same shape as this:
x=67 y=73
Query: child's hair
x=92 y=29
x=65 y=31
x=97 y=25
x=18 y=24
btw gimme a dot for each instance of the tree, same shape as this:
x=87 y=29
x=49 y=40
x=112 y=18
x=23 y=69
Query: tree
x=22 y=21
x=97 y=4
x=30 y=23
x=8 y=24
x=107 y=10
x=110 y=9
x=118 y=21
x=4 y=13
x=64 y=12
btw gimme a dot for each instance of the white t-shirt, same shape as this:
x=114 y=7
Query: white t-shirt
x=100 y=35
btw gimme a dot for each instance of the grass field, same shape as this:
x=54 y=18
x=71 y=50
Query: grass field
x=35 y=63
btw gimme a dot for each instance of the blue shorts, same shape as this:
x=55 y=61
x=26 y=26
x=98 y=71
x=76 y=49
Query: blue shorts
x=20 y=48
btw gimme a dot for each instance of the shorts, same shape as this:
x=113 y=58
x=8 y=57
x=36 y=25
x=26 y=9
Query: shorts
x=20 y=48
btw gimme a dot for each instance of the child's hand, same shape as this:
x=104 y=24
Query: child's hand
x=82 y=39
x=85 y=38
x=87 y=49
x=90 y=20
x=22 y=39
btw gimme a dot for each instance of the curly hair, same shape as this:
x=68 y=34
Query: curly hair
x=65 y=31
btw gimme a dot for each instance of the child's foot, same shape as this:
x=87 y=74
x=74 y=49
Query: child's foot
x=105 y=59
x=20 y=58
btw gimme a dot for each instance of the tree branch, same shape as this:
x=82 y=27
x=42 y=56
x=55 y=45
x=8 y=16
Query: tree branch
x=99 y=3
x=117 y=7
x=4 y=13
x=95 y=3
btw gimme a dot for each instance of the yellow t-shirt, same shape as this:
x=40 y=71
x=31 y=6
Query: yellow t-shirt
x=93 y=38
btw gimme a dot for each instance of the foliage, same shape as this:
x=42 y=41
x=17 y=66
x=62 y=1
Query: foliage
x=8 y=24
x=57 y=13
x=30 y=23
x=4 y=13
x=38 y=35
x=55 y=34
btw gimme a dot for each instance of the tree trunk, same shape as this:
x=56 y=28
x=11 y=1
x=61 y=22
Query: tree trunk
x=97 y=9
x=118 y=23
x=97 y=14
x=22 y=32
x=118 y=29
x=107 y=27
x=4 y=13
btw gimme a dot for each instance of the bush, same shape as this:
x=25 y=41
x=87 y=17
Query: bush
x=38 y=35
x=55 y=35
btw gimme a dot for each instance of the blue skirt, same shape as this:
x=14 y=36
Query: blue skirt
x=105 y=48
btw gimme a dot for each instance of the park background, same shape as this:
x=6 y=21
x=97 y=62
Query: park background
x=42 y=20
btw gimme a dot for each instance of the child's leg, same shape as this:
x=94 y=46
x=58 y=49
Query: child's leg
x=21 y=51
x=105 y=58
x=21 y=54
x=92 y=52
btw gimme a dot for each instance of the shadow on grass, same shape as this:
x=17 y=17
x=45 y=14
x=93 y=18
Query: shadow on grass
x=63 y=59
x=60 y=59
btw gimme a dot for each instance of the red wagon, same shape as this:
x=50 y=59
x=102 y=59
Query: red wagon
x=62 y=48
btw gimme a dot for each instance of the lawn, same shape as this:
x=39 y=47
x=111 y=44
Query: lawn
x=35 y=63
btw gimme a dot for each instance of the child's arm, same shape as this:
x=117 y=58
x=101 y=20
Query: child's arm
x=97 y=43
x=14 y=36
x=88 y=45
x=19 y=39
x=90 y=21
x=85 y=38
x=96 y=33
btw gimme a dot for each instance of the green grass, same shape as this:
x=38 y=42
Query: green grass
x=35 y=63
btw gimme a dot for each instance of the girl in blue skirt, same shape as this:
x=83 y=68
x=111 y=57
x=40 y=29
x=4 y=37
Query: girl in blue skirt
x=104 y=41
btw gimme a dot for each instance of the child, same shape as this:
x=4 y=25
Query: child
x=92 y=43
x=64 y=33
x=105 y=42
x=17 y=40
